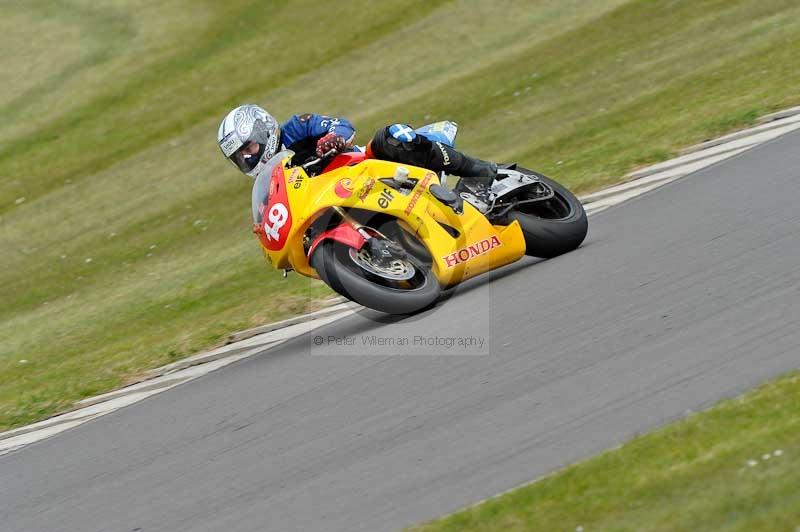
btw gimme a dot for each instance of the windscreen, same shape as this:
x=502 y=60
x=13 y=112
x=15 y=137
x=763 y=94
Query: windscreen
x=263 y=180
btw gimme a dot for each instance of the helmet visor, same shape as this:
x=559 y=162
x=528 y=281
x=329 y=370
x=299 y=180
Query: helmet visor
x=247 y=157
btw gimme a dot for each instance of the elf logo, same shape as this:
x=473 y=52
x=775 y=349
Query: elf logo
x=473 y=250
x=385 y=198
x=296 y=179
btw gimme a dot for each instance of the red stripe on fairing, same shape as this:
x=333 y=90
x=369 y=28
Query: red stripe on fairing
x=345 y=159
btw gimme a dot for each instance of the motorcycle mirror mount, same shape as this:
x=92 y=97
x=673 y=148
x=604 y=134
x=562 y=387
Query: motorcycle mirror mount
x=401 y=175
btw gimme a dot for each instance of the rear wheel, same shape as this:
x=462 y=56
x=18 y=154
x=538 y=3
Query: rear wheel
x=401 y=285
x=553 y=226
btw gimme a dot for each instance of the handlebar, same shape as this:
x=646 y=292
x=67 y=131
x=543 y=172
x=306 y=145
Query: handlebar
x=312 y=162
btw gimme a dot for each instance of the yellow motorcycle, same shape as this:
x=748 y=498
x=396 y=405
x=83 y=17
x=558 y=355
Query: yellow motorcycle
x=391 y=237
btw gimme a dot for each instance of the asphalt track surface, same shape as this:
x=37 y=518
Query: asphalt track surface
x=678 y=298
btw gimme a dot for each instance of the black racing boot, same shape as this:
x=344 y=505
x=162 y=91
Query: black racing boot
x=443 y=158
x=477 y=171
x=478 y=176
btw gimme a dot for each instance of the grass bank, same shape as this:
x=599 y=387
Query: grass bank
x=125 y=236
x=732 y=468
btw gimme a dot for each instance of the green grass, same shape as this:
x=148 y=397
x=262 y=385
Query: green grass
x=126 y=238
x=706 y=472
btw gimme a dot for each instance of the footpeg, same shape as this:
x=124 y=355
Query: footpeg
x=475 y=201
x=508 y=173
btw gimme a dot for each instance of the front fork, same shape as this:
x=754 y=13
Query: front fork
x=349 y=232
x=349 y=220
x=381 y=248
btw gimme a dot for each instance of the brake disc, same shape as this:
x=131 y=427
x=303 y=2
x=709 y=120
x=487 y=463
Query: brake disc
x=395 y=270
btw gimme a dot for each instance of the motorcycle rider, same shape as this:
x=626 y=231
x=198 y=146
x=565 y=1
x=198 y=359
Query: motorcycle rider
x=249 y=136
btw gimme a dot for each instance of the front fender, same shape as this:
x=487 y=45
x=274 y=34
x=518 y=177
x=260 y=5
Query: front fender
x=344 y=233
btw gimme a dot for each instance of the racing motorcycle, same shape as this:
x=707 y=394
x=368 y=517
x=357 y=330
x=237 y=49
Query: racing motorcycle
x=391 y=237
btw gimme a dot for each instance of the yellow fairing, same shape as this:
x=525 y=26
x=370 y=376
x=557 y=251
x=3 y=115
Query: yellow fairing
x=470 y=245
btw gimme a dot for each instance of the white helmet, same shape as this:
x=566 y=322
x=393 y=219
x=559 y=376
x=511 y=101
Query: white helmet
x=249 y=136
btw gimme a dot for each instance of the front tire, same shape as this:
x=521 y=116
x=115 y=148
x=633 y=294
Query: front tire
x=336 y=266
x=552 y=227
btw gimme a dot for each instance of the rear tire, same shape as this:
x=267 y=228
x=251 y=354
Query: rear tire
x=552 y=227
x=335 y=266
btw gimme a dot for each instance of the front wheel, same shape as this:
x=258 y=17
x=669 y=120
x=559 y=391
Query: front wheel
x=404 y=286
x=554 y=226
